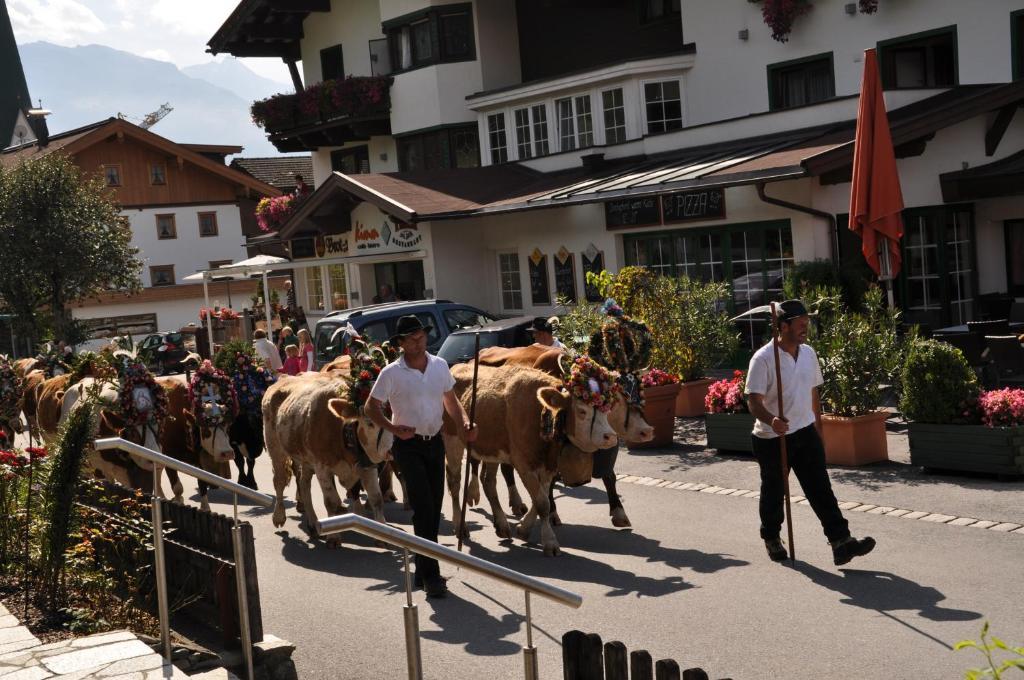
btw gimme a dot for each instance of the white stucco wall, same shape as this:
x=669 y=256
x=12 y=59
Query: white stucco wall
x=170 y=315
x=730 y=77
x=383 y=157
x=353 y=23
x=434 y=95
x=188 y=252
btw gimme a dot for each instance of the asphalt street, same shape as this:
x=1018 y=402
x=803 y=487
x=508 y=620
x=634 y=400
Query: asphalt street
x=690 y=581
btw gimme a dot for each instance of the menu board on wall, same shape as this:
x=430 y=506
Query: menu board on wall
x=593 y=261
x=540 y=292
x=565 y=275
x=682 y=206
x=632 y=212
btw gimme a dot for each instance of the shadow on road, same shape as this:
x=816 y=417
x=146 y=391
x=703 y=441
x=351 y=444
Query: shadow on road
x=884 y=592
x=357 y=558
x=471 y=626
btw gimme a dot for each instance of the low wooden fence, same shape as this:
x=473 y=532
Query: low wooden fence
x=199 y=554
x=584 y=657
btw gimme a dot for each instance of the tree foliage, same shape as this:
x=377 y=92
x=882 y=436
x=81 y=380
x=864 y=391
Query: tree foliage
x=62 y=240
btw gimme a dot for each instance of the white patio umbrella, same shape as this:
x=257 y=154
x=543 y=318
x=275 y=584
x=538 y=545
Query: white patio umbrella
x=259 y=264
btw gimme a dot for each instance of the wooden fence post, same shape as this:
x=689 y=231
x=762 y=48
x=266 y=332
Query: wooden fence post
x=581 y=656
x=666 y=669
x=616 y=661
x=641 y=667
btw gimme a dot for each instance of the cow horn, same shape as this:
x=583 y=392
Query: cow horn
x=565 y=368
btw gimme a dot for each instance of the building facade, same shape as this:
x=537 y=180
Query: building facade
x=187 y=212
x=525 y=144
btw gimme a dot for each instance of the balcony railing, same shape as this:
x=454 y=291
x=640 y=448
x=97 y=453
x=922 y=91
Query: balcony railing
x=345 y=99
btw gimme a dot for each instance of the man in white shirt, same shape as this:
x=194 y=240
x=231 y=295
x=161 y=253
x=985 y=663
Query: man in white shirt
x=544 y=332
x=801 y=377
x=418 y=386
x=266 y=349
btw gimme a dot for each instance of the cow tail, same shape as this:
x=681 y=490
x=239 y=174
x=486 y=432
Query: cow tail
x=279 y=458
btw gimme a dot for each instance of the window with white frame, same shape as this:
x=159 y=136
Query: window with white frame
x=614 y=116
x=497 y=137
x=523 y=142
x=511 y=281
x=663 y=105
x=575 y=123
x=314 y=288
x=540 y=129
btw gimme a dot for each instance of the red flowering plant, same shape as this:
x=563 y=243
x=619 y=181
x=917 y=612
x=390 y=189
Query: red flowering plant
x=726 y=396
x=1002 y=408
x=367 y=363
x=356 y=96
x=779 y=15
x=273 y=212
x=274 y=113
x=592 y=384
x=656 y=377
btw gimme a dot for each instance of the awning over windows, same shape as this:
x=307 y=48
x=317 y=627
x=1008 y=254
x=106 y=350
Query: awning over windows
x=1000 y=178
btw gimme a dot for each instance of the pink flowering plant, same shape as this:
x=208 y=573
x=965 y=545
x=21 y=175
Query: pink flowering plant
x=657 y=377
x=726 y=396
x=272 y=213
x=1002 y=408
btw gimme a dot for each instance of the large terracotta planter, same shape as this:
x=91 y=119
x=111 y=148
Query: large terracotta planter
x=690 y=401
x=660 y=412
x=855 y=441
x=970 y=448
x=729 y=432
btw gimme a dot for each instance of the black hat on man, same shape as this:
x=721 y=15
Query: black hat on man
x=791 y=309
x=541 y=323
x=407 y=325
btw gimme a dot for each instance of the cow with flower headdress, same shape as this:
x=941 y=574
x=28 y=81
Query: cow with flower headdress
x=251 y=380
x=526 y=417
x=317 y=420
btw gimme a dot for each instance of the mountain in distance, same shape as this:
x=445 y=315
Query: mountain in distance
x=89 y=83
x=231 y=74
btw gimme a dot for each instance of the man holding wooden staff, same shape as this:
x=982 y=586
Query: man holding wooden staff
x=419 y=388
x=800 y=423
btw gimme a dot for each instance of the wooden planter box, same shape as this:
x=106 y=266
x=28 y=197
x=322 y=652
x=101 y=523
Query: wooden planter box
x=855 y=441
x=690 y=401
x=971 y=448
x=729 y=431
x=660 y=412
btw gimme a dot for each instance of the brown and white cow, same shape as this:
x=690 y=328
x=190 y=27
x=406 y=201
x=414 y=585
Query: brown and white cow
x=510 y=411
x=306 y=419
x=625 y=418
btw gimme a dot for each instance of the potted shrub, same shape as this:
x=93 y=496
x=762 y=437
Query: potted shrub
x=859 y=352
x=659 y=394
x=690 y=327
x=728 y=422
x=953 y=425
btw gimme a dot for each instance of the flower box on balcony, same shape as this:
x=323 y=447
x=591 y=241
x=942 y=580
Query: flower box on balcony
x=351 y=97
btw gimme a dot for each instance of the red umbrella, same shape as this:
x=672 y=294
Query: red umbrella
x=876 y=202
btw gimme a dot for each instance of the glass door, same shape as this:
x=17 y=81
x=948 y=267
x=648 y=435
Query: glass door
x=938 y=279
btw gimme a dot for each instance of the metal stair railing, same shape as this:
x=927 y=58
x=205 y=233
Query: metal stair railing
x=161 y=461
x=410 y=542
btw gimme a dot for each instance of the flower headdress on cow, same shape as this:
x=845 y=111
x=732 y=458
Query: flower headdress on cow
x=622 y=344
x=367 y=363
x=591 y=383
x=212 y=385
x=250 y=377
x=51 y=362
x=142 y=401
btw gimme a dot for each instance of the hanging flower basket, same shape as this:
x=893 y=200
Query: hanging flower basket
x=779 y=16
x=272 y=213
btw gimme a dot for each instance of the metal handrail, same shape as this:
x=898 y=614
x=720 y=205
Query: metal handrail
x=410 y=542
x=161 y=461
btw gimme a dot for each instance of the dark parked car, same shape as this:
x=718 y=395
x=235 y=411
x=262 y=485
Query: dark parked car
x=166 y=352
x=514 y=332
x=376 y=323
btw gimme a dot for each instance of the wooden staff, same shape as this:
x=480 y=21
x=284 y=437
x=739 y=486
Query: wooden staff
x=469 y=445
x=776 y=332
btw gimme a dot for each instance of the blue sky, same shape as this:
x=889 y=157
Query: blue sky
x=169 y=30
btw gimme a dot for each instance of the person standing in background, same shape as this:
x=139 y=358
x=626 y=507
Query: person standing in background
x=266 y=350
x=284 y=338
x=306 y=351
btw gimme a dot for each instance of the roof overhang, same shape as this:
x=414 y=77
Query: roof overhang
x=265 y=28
x=1004 y=177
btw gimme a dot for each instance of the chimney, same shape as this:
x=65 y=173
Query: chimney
x=592 y=161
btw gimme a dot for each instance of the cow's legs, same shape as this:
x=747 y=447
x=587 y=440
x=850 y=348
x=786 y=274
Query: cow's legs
x=297 y=472
x=453 y=476
x=490 y=478
x=374 y=496
x=386 y=479
x=555 y=519
x=305 y=482
x=204 y=500
x=176 y=487
x=615 y=509
x=473 y=493
x=538 y=485
x=515 y=501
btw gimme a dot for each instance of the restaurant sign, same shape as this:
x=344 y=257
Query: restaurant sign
x=680 y=206
x=385 y=236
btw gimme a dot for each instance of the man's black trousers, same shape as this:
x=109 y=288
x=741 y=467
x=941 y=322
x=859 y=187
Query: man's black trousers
x=422 y=465
x=806 y=457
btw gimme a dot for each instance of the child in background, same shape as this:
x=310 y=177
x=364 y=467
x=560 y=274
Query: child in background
x=291 y=363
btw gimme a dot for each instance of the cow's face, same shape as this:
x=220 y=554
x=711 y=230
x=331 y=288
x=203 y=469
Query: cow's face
x=628 y=421
x=213 y=438
x=586 y=426
x=376 y=441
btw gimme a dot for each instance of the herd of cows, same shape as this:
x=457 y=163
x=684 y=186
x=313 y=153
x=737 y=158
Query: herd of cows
x=529 y=426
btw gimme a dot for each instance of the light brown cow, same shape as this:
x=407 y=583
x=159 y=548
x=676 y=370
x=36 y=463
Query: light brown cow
x=22 y=367
x=45 y=404
x=511 y=401
x=575 y=467
x=305 y=419
x=30 y=400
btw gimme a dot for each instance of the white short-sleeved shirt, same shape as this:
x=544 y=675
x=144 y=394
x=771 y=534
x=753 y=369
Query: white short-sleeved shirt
x=799 y=378
x=415 y=396
x=266 y=349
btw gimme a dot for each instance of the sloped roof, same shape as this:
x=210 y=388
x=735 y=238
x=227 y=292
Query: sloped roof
x=277 y=171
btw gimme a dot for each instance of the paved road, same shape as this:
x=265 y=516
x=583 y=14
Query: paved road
x=691 y=581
